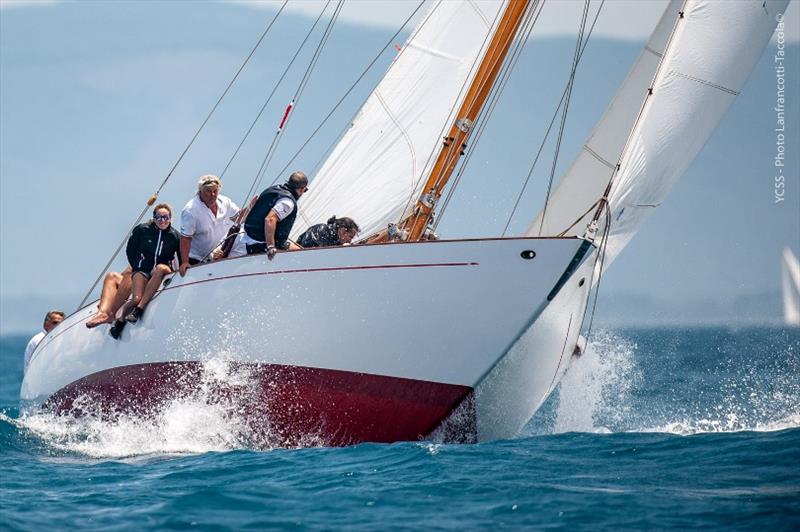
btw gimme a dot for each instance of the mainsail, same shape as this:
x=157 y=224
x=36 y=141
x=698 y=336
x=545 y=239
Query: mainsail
x=790 y=273
x=710 y=54
x=377 y=167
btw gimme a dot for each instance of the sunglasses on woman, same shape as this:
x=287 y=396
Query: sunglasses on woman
x=161 y=217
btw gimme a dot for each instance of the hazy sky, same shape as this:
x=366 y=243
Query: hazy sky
x=98 y=99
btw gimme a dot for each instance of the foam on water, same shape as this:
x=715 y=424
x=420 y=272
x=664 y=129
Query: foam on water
x=601 y=391
x=617 y=385
x=596 y=385
x=730 y=424
x=197 y=422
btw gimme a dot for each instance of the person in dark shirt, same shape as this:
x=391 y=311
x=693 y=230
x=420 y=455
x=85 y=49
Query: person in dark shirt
x=335 y=232
x=271 y=219
x=151 y=248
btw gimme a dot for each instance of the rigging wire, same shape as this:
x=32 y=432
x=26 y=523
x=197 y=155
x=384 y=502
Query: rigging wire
x=488 y=110
x=152 y=199
x=347 y=93
x=449 y=121
x=287 y=113
x=549 y=127
x=561 y=128
x=603 y=205
x=275 y=88
x=326 y=153
x=601 y=258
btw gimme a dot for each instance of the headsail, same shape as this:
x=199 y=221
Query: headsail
x=790 y=272
x=377 y=167
x=570 y=206
x=714 y=47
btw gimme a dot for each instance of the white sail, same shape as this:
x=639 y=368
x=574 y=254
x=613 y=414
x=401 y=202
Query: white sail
x=790 y=273
x=569 y=208
x=380 y=162
x=710 y=56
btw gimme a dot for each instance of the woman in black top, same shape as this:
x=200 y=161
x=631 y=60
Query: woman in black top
x=151 y=248
x=336 y=232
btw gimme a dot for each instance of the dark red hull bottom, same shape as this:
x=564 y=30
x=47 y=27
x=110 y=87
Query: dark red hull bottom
x=281 y=405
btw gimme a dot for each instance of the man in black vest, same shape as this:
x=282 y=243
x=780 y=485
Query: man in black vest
x=271 y=219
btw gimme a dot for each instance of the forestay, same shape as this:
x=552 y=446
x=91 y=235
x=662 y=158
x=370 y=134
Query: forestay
x=381 y=161
x=570 y=205
x=713 y=49
x=712 y=52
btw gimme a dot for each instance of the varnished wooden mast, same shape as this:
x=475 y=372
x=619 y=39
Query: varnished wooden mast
x=456 y=140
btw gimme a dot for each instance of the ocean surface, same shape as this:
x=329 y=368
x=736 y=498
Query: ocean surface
x=650 y=429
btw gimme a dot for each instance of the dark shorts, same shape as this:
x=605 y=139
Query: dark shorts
x=255 y=249
x=147 y=274
x=193 y=262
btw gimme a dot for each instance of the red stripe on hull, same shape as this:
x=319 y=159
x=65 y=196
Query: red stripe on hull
x=282 y=405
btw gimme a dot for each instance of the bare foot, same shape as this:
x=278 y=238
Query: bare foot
x=98 y=319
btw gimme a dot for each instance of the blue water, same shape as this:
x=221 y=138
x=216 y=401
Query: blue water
x=651 y=428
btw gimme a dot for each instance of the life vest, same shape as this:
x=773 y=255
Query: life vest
x=254 y=224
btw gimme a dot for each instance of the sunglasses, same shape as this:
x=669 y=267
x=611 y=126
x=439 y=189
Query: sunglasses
x=161 y=217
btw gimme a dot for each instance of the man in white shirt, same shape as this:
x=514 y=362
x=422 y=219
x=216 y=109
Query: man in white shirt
x=51 y=319
x=205 y=221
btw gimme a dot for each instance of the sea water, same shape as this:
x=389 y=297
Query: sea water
x=649 y=429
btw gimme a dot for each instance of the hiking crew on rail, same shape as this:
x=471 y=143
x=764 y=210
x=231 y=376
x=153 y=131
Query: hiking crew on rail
x=155 y=246
x=271 y=219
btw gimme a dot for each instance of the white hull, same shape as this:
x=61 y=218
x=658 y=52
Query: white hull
x=443 y=312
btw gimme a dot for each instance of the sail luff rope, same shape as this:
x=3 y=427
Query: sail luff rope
x=347 y=93
x=274 y=89
x=561 y=128
x=603 y=205
x=547 y=133
x=486 y=113
x=645 y=100
x=152 y=199
x=295 y=98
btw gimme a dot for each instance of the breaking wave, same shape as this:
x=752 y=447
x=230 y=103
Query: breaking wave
x=637 y=381
x=200 y=421
x=716 y=385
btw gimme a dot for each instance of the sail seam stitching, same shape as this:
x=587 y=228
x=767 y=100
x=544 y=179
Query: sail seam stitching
x=402 y=130
x=480 y=13
x=598 y=157
x=653 y=51
x=706 y=82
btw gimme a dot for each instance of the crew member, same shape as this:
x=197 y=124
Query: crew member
x=270 y=221
x=335 y=232
x=116 y=290
x=51 y=319
x=151 y=248
x=205 y=221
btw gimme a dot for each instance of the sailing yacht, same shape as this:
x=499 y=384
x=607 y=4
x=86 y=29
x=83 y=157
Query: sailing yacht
x=405 y=336
x=790 y=280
